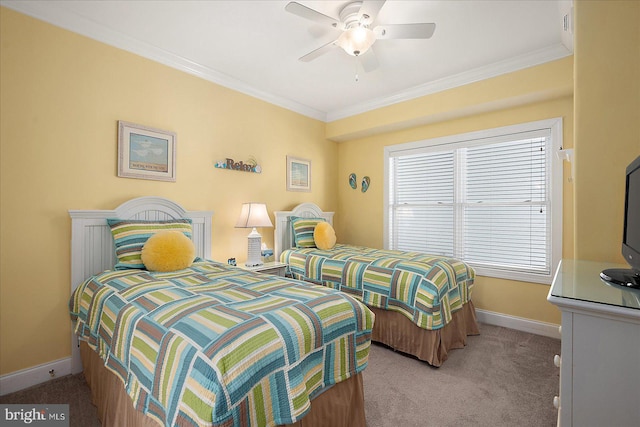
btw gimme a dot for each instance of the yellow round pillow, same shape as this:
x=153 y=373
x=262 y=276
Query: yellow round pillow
x=168 y=251
x=324 y=235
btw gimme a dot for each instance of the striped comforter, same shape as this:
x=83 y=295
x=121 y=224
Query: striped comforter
x=426 y=289
x=214 y=344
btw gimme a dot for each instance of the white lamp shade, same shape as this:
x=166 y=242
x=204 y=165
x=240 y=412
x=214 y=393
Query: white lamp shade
x=253 y=215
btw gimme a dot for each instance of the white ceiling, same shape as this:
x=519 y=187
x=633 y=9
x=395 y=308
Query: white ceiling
x=254 y=46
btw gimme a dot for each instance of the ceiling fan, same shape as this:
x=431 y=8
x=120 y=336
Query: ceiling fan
x=357 y=38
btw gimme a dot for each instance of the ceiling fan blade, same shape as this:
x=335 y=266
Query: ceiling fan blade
x=311 y=14
x=404 y=31
x=369 y=11
x=369 y=60
x=318 y=52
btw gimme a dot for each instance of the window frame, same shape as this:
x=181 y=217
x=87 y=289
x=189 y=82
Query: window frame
x=554 y=180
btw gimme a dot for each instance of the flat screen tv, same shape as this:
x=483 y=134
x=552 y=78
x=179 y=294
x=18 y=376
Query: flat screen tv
x=631 y=233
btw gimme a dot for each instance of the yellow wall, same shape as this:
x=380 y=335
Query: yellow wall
x=607 y=130
x=361 y=216
x=61 y=96
x=552 y=80
x=605 y=115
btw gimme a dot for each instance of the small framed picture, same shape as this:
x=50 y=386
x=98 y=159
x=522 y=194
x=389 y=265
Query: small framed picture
x=146 y=153
x=298 y=174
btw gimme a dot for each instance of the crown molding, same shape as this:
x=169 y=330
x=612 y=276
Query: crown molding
x=55 y=15
x=510 y=65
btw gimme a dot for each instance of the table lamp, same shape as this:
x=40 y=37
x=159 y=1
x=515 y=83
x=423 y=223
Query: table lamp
x=254 y=215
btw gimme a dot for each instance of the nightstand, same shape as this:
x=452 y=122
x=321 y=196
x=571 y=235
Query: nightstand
x=275 y=268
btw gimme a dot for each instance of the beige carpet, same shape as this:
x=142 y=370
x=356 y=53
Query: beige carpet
x=502 y=378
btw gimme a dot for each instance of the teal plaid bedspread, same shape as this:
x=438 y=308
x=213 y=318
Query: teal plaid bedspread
x=217 y=345
x=425 y=288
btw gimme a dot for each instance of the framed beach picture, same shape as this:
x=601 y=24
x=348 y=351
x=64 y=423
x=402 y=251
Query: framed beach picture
x=298 y=174
x=146 y=153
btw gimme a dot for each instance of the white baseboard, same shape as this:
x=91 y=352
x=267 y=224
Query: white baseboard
x=31 y=376
x=518 y=323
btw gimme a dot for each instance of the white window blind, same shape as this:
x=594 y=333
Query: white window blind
x=485 y=198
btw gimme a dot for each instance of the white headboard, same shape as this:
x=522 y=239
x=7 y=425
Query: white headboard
x=282 y=236
x=92 y=248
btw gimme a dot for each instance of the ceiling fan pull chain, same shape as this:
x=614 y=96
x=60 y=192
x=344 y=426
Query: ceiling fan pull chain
x=356 y=62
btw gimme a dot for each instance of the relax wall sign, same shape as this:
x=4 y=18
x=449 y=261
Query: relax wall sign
x=250 y=165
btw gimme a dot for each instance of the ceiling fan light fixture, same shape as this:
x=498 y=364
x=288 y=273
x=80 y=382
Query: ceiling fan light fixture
x=357 y=40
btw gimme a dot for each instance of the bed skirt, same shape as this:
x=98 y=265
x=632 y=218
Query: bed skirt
x=398 y=332
x=340 y=405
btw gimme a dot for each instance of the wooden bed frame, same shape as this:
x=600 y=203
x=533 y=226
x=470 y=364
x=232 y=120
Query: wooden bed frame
x=92 y=251
x=391 y=328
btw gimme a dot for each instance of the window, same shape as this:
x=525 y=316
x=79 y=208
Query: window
x=491 y=198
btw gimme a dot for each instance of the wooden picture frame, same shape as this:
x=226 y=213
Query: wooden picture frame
x=298 y=174
x=146 y=153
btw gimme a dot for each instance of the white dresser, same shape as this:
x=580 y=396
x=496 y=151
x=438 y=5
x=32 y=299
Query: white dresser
x=600 y=360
